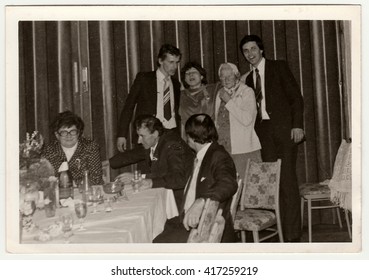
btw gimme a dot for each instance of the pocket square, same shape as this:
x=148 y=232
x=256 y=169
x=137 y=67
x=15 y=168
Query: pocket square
x=202 y=179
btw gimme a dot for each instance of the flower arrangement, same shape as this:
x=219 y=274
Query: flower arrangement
x=30 y=149
x=33 y=168
x=36 y=174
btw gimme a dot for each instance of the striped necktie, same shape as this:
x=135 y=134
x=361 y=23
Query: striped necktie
x=166 y=100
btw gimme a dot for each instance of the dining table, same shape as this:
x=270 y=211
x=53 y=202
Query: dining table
x=136 y=217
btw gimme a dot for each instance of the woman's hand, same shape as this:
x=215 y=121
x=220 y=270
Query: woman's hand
x=223 y=95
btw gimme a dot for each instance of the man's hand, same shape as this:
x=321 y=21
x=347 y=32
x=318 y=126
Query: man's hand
x=297 y=134
x=121 y=144
x=126 y=178
x=146 y=184
x=192 y=216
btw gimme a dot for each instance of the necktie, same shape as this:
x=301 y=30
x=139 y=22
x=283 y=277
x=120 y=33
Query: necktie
x=186 y=196
x=166 y=100
x=223 y=128
x=258 y=95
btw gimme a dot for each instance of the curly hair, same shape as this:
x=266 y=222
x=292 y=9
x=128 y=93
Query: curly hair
x=198 y=67
x=67 y=119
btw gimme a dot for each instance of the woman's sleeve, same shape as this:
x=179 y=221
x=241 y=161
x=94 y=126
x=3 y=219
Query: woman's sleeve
x=94 y=162
x=243 y=107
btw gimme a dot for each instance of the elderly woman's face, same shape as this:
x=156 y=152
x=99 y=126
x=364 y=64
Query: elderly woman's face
x=193 y=77
x=67 y=136
x=228 y=78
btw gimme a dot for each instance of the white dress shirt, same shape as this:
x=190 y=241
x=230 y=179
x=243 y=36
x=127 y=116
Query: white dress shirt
x=191 y=193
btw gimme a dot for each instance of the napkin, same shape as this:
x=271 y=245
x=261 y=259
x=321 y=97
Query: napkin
x=69 y=202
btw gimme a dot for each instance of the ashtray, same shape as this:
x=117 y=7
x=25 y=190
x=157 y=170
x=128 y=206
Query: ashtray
x=113 y=187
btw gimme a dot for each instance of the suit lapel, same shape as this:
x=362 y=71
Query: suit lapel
x=153 y=88
x=268 y=79
x=204 y=163
x=250 y=80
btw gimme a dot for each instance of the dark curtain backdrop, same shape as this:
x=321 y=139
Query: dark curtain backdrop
x=88 y=67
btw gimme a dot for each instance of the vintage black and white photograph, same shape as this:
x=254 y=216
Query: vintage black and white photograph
x=147 y=129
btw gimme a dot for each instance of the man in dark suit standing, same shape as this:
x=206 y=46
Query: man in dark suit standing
x=155 y=93
x=279 y=125
x=169 y=157
x=213 y=176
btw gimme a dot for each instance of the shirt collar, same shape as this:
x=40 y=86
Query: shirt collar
x=261 y=65
x=160 y=76
x=201 y=154
x=153 y=148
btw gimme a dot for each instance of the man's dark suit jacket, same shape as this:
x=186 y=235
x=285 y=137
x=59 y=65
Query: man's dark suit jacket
x=172 y=164
x=216 y=180
x=144 y=93
x=284 y=103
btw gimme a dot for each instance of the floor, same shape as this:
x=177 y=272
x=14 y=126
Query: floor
x=327 y=233
x=323 y=230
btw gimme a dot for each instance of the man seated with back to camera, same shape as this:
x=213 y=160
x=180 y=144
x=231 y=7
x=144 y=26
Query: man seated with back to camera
x=213 y=176
x=167 y=155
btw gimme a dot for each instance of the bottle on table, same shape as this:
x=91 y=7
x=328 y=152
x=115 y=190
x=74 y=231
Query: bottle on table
x=65 y=182
x=86 y=184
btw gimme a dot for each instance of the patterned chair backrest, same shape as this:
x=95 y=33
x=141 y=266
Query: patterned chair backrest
x=261 y=189
x=236 y=199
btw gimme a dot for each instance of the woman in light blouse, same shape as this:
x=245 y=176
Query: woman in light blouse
x=235 y=115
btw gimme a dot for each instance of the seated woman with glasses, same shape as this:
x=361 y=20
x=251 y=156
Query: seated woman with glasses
x=71 y=147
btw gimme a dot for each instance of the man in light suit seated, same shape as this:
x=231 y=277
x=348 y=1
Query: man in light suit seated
x=213 y=176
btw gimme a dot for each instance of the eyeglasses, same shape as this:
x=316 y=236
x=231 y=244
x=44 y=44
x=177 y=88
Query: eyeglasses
x=192 y=73
x=65 y=133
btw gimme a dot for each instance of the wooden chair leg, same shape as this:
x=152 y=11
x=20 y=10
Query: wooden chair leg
x=333 y=216
x=309 y=220
x=255 y=234
x=348 y=223
x=339 y=217
x=302 y=212
x=243 y=236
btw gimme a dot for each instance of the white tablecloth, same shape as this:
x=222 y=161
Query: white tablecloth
x=138 y=220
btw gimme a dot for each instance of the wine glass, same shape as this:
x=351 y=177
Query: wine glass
x=67 y=225
x=95 y=197
x=80 y=207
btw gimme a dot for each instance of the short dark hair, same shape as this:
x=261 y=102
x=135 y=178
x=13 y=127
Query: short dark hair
x=67 y=119
x=168 y=49
x=198 y=67
x=252 y=38
x=149 y=122
x=201 y=128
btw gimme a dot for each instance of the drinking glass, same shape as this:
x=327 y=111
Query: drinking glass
x=80 y=207
x=67 y=225
x=95 y=197
x=136 y=181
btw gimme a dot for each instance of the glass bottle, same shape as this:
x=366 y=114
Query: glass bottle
x=65 y=182
x=86 y=184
